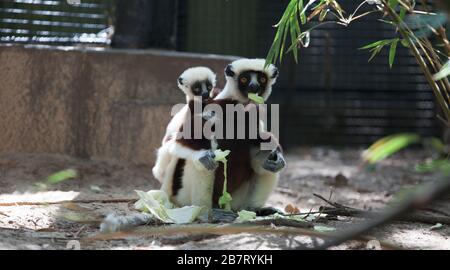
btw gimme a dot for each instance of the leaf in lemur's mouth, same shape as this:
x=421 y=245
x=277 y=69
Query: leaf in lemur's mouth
x=256 y=98
x=225 y=199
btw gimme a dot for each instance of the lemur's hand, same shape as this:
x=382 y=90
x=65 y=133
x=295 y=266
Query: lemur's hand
x=274 y=161
x=207 y=160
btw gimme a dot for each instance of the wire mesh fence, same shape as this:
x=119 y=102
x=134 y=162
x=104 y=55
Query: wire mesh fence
x=332 y=96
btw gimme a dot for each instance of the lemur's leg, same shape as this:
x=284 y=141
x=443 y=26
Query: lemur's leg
x=262 y=183
x=163 y=158
x=200 y=183
x=266 y=165
x=167 y=181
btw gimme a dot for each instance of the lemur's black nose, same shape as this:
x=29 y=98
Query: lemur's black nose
x=253 y=88
x=205 y=95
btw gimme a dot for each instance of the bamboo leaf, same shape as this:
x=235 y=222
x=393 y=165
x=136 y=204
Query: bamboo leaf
x=375 y=52
x=402 y=13
x=302 y=12
x=443 y=73
x=323 y=14
x=393 y=4
x=294 y=33
x=388 y=146
x=392 y=52
x=61 y=176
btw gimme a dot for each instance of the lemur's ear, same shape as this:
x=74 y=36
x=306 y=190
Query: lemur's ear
x=180 y=81
x=229 y=71
x=275 y=73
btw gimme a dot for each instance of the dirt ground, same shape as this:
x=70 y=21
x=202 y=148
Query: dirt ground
x=310 y=170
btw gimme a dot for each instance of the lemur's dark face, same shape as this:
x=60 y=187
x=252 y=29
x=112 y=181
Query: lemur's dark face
x=252 y=82
x=200 y=88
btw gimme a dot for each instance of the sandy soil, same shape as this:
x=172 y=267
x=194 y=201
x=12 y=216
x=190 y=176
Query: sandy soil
x=310 y=170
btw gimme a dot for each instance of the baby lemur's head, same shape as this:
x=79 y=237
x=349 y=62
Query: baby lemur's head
x=197 y=83
x=246 y=76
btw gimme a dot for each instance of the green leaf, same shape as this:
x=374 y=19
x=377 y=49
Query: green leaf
x=437 y=144
x=323 y=14
x=388 y=146
x=443 y=73
x=392 y=51
x=295 y=32
x=256 y=98
x=393 y=3
x=221 y=156
x=405 y=43
x=277 y=49
x=245 y=215
x=324 y=228
x=225 y=199
x=96 y=189
x=435 y=165
x=156 y=202
x=302 y=12
x=61 y=176
x=402 y=13
x=378 y=43
x=375 y=51
x=437 y=226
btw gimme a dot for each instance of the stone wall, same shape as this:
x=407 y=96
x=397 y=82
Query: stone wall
x=91 y=103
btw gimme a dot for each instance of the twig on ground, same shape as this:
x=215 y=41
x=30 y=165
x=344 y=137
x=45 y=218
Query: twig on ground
x=153 y=231
x=287 y=192
x=79 y=231
x=103 y=201
x=334 y=204
x=413 y=217
x=282 y=222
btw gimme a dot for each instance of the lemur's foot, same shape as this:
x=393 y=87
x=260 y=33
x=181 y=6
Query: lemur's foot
x=267 y=211
x=220 y=215
x=207 y=160
x=274 y=161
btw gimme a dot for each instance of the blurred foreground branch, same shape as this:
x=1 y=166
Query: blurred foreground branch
x=421 y=197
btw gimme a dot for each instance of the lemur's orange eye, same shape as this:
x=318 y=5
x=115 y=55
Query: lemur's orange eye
x=243 y=80
x=263 y=80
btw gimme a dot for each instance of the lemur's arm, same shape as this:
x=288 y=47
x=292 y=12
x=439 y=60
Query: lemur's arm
x=267 y=160
x=197 y=150
x=266 y=150
x=185 y=144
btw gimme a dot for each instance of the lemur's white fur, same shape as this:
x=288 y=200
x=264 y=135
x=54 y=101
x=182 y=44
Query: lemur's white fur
x=254 y=193
x=231 y=91
x=192 y=75
x=197 y=182
x=187 y=78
